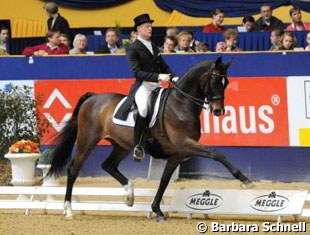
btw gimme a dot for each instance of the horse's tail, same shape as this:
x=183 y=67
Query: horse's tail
x=65 y=140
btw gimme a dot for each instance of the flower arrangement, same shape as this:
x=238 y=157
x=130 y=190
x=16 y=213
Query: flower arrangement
x=24 y=146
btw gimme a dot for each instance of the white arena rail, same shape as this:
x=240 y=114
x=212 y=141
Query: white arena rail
x=37 y=199
x=241 y=203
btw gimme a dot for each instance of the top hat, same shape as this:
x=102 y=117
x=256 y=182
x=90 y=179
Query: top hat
x=141 y=19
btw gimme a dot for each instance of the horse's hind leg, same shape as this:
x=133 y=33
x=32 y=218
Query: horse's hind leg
x=85 y=144
x=196 y=149
x=111 y=166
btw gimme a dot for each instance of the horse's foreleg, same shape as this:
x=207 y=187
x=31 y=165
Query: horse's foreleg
x=170 y=167
x=196 y=149
x=111 y=166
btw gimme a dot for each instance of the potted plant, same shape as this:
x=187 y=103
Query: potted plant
x=23 y=155
x=20 y=119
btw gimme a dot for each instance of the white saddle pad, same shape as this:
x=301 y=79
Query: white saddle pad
x=130 y=120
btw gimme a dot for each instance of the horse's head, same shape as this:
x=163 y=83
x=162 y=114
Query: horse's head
x=215 y=83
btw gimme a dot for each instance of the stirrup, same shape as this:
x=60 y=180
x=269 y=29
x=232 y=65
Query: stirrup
x=138 y=153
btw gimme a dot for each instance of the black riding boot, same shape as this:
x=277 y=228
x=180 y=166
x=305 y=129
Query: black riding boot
x=138 y=152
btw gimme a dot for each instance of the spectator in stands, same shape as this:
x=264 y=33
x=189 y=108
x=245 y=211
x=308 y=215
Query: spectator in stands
x=267 y=22
x=111 y=46
x=215 y=25
x=288 y=41
x=248 y=23
x=52 y=47
x=297 y=24
x=64 y=40
x=193 y=42
x=79 y=45
x=220 y=47
x=202 y=47
x=307 y=48
x=275 y=39
x=4 y=36
x=55 y=21
x=133 y=36
x=231 y=38
x=173 y=31
x=184 y=39
x=169 y=44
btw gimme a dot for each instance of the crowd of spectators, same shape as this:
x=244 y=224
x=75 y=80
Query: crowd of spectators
x=59 y=37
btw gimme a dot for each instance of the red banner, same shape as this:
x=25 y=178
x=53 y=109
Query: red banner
x=256 y=109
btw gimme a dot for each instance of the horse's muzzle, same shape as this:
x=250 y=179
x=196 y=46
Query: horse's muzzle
x=218 y=112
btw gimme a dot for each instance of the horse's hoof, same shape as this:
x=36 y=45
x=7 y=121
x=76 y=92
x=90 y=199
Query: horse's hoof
x=160 y=219
x=129 y=197
x=247 y=184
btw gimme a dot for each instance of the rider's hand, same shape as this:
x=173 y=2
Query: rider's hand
x=175 y=79
x=164 y=77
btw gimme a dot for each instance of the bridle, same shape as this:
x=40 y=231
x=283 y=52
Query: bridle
x=200 y=102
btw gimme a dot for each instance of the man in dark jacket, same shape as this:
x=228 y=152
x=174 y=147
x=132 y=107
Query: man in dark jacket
x=111 y=46
x=148 y=67
x=267 y=22
x=55 y=21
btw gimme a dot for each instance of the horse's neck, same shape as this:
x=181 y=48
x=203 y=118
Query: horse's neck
x=191 y=86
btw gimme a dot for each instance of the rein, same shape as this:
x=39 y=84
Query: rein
x=196 y=101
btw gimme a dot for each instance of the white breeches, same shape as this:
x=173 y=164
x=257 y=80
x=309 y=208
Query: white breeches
x=142 y=96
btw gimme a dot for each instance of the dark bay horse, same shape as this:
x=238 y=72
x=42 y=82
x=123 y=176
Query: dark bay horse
x=92 y=121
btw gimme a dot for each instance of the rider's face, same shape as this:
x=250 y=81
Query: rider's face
x=145 y=30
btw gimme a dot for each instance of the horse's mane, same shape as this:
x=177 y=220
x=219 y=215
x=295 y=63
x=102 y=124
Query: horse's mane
x=195 y=70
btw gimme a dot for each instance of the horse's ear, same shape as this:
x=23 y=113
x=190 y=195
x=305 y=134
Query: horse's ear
x=218 y=62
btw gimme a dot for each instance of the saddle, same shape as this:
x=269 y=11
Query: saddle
x=156 y=106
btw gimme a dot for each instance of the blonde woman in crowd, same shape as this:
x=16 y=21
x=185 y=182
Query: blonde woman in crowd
x=297 y=24
x=275 y=38
x=79 y=45
x=231 y=38
x=184 y=40
x=288 y=41
x=133 y=36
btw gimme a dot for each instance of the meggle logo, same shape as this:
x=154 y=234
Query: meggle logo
x=270 y=203
x=204 y=201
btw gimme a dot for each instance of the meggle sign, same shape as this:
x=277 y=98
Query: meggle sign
x=204 y=201
x=270 y=203
x=256 y=114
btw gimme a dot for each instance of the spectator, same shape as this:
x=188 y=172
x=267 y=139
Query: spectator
x=52 y=47
x=215 y=25
x=220 y=47
x=133 y=36
x=202 y=47
x=275 y=39
x=111 y=46
x=307 y=48
x=267 y=22
x=231 y=38
x=248 y=23
x=55 y=21
x=4 y=35
x=64 y=40
x=169 y=44
x=193 y=42
x=297 y=24
x=79 y=45
x=184 y=39
x=288 y=41
x=172 y=32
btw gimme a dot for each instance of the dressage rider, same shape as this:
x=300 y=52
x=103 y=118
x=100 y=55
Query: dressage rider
x=149 y=68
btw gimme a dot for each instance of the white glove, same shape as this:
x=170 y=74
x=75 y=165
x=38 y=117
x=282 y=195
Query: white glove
x=164 y=77
x=175 y=79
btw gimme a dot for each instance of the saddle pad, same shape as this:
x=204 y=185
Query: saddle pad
x=130 y=120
